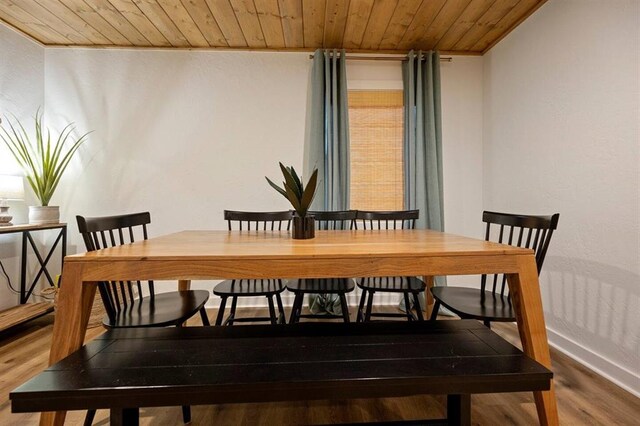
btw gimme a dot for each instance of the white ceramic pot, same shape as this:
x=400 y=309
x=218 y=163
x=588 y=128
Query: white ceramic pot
x=44 y=215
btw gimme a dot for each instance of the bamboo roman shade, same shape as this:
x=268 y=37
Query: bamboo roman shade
x=375 y=126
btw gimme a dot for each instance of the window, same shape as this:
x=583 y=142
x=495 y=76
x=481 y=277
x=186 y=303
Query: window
x=375 y=127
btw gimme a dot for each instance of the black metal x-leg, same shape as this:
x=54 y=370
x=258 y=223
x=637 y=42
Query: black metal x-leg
x=27 y=240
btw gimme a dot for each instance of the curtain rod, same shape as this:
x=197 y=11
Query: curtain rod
x=386 y=58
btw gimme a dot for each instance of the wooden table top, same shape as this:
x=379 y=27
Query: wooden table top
x=204 y=365
x=229 y=245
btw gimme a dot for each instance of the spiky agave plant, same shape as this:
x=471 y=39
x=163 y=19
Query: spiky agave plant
x=300 y=196
x=43 y=162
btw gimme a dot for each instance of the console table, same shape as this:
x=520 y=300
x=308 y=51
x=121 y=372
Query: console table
x=27 y=311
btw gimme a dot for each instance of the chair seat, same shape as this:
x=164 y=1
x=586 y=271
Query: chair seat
x=466 y=302
x=392 y=284
x=248 y=288
x=161 y=310
x=321 y=285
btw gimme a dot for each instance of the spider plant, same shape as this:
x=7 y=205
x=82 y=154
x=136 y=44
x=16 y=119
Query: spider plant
x=300 y=196
x=42 y=160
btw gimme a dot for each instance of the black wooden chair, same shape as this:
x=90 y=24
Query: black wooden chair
x=269 y=288
x=124 y=308
x=494 y=304
x=409 y=287
x=332 y=220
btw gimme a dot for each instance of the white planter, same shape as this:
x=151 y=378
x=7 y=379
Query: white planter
x=44 y=215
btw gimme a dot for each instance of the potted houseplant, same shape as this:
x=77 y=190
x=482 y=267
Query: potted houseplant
x=300 y=196
x=42 y=160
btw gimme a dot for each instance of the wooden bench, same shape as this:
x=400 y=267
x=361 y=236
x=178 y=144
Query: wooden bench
x=125 y=369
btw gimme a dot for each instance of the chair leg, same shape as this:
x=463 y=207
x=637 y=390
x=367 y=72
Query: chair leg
x=345 y=307
x=363 y=298
x=487 y=323
x=232 y=314
x=272 y=310
x=281 y=316
x=204 y=317
x=220 y=316
x=88 y=420
x=416 y=302
x=407 y=307
x=369 y=306
x=295 y=309
x=434 y=312
x=186 y=414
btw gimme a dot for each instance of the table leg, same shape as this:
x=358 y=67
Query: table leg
x=184 y=285
x=72 y=315
x=428 y=297
x=525 y=293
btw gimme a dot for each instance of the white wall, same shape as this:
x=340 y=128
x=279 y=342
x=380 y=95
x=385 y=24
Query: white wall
x=21 y=94
x=561 y=134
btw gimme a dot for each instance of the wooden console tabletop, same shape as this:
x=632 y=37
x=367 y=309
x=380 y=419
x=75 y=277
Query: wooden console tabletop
x=236 y=254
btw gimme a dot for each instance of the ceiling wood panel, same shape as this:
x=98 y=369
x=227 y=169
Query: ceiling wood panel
x=140 y=20
x=313 y=17
x=291 y=16
x=357 y=20
x=451 y=26
x=27 y=24
x=399 y=23
x=271 y=23
x=205 y=21
x=93 y=18
x=421 y=22
x=228 y=23
x=117 y=19
x=34 y=9
x=379 y=19
x=247 y=17
x=484 y=24
x=335 y=20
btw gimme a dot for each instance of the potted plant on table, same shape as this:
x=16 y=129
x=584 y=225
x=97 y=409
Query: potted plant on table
x=300 y=196
x=42 y=161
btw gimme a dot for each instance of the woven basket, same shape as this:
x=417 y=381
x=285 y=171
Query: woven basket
x=97 y=311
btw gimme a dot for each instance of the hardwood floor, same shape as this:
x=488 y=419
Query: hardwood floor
x=584 y=398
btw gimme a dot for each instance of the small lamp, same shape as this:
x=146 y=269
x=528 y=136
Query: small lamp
x=11 y=188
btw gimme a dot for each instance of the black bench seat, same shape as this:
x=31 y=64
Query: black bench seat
x=131 y=368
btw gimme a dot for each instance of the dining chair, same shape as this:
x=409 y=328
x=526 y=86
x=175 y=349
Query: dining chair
x=409 y=287
x=270 y=288
x=125 y=302
x=324 y=287
x=494 y=303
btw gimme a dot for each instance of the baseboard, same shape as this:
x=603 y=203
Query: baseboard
x=606 y=368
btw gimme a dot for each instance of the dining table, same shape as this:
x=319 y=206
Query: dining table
x=203 y=255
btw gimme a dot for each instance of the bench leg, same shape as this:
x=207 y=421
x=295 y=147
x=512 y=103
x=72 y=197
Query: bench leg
x=459 y=410
x=124 y=417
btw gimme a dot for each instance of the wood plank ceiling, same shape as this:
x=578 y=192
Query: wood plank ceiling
x=452 y=26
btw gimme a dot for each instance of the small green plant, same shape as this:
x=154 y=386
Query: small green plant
x=43 y=162
x=299 y=195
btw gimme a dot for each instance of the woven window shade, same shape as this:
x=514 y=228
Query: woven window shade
x=375 y=126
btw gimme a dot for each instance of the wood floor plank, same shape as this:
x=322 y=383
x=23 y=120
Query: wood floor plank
x=584 y=398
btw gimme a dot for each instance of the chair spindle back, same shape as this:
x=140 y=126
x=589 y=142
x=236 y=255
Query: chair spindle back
x=111 y=231
x=525 y=231
x=258 y=221
x=339 y=220
x=402 y=219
